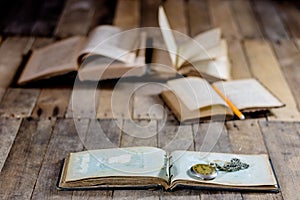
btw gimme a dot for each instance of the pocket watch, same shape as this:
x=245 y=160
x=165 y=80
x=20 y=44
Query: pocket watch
x=204 y=171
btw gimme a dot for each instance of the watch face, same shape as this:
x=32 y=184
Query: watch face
x=204 y=171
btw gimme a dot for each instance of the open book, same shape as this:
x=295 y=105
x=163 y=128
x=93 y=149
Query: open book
x=150 y=167
x=104 y=54
x=193 y=98
x=205 y=54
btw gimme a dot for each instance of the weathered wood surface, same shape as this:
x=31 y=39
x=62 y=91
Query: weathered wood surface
x=40 y=126
x=12 y=51
x=266 y=69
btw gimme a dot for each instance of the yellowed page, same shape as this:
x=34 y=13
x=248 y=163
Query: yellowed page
x=259 y=172
x=96 y=67
x=55 y=59
x=131 y=161
x=216 y=69
x=167 y=35
x=203 y=46
x=248 y=93
x=195 y=92
x=111 y=42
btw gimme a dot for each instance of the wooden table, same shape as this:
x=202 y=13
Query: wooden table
x=37 y=123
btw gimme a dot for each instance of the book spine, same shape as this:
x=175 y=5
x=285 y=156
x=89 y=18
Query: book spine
x=168 y=168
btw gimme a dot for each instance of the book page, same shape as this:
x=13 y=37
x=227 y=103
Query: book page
x=216 y=69
x=258 y=173
x=55 y=59
x=248 y=93
x=167 y=35
x=111 y=42
x=195 y=92
x=201 y=47
x=131 y=161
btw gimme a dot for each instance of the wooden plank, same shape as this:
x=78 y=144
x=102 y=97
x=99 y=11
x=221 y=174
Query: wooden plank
x=83 y=101
x=76 y=18
x=8 y=130
x=173 y=136
x=245 y=19
x=239 y=66
x=175 y=11
x=213 y=137
x=266 y=69
x=116 y=102
x=289 y=59
x=122 y=17
x=63 y=141
x=22 y=166
x=2 y=91
x=52 y=103
x=11 y=52
x=139 y=133
x=146 y=101
x=282 y=141
x=222 y=17
x=290 y=15
x=103 y=134
x=271 y=23
x=198 y=17
x=18 y=102
x=149 y=10
x=246 y=138
x=100 y=134
x=297 y=40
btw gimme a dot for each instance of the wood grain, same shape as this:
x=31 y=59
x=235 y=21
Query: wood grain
x=8 y=130
x=222 y=17
x=172 y=136
x=175 y=11
x=149 y=10
x=213 y=137
x=123 y=19
x=64 y=140
x=104 y=133
x=116 y=102
x=139 y=133
x=2 y=91
x=198 y=17
x=282 y=141
x=245 y=19
x=146 y=101
x=76 y=18
x=270 y=21
x=289 y=59
x=11 y=52
x=290 y=16
x=18 y=102
x=246 y=138
x=21 y=169
x=239 y=66
x=266 y=69
x=297 y=40
x=52 y=103
x=83 y=101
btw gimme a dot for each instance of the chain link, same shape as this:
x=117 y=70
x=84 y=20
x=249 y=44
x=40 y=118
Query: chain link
x=234 y=165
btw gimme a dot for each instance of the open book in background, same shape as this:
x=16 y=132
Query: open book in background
x=150 y=167
x=104 y=54
x=204 y=55
x=193 y=98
